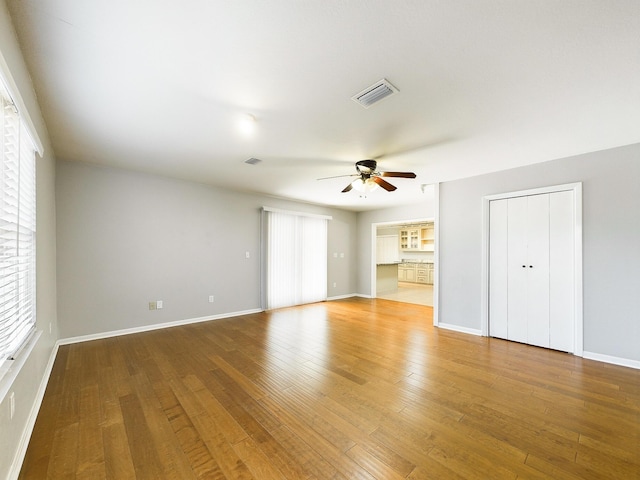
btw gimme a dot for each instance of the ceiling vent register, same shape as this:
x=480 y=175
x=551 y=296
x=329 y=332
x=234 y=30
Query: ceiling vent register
x=376 y=92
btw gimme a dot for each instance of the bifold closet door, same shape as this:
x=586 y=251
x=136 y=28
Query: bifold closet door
x=562 y=281
x=531 y=269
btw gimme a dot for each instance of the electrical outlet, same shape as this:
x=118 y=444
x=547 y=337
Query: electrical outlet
x=247 y=255
x=50 y=328
x=211 y=298
x=12 y=404
x=335 y=284
x=152 y=305
x=159 y=304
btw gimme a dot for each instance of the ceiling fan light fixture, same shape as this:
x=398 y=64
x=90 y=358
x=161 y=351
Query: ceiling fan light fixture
x=364 y=185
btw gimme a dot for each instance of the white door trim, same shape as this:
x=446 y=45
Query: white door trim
x=576 y=188
x=436 y=256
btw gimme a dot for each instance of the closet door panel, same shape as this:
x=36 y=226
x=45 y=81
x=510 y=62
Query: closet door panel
x=561 y=275
x=498 y=266
x=517 y=269
x=538 y=270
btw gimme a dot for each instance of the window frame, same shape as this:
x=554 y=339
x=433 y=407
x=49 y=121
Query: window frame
x=18 y=230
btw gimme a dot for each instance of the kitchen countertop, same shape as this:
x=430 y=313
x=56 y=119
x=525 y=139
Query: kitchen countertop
x=412 y=262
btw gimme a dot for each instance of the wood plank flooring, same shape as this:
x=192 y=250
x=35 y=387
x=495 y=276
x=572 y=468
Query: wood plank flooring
x=350 y=389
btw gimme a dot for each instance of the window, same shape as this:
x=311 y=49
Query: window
x=17 y=233
x=296 y=258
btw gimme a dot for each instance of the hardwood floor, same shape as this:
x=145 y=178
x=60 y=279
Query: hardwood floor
x=349 y=389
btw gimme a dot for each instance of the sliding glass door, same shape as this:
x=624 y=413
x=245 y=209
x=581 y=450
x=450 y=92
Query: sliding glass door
x=296 y=258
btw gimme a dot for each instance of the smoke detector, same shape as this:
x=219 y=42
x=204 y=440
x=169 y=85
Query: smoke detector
x=374 y=93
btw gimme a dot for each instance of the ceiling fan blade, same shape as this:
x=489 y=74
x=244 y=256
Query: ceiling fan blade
x=347 y=188
x=384 y=184
x=338 y=176
x=398 y=174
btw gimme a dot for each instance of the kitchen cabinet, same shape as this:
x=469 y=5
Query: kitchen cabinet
x=410 y=274
x=407 y=272
x=417 y=238
x=421 y=274
x=410 y=238
x=427 y=238
x=531 y=281
x=416 y=273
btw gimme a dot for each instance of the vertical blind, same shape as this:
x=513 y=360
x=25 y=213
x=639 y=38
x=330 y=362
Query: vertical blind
x=296 y=259
x=17 y=232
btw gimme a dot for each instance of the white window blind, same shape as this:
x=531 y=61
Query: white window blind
x=17 y=233
x=296 y=259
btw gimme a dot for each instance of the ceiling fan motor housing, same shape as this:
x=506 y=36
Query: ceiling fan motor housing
x=366 y=167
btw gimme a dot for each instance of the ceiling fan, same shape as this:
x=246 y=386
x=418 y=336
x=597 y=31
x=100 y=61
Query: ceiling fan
x=370 y=179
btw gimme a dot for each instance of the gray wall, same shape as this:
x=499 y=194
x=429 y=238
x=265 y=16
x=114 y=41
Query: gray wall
x=125 y=239
x=27 y=383
x=611 y=243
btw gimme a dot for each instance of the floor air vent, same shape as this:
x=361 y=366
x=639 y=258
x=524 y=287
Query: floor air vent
x=374 y=93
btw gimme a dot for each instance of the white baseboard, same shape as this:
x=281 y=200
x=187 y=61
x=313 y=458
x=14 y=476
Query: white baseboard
x=624 y=362
x=18 y=459
x=155 y=326
x=457 y=328
x=342 y=297
x=362 y=295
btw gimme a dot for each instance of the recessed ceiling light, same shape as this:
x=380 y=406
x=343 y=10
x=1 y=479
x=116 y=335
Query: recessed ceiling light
x=247 y=124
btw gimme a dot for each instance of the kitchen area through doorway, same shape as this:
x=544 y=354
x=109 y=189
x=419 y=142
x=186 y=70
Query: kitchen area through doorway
x=404 y=262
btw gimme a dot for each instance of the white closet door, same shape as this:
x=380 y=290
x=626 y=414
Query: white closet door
x=536 y=269
x=532 y=280
x=517 y=269
x=498 y=267
x=562 y=268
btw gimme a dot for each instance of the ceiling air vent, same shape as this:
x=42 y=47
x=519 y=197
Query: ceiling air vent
x=253 y=161
x=374 y=93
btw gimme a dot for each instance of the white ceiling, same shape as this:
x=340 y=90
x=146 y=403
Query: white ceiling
x=484 y=85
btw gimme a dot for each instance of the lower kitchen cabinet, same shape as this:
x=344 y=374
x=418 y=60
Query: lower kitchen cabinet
x=410 y=275
x=416 y=273
x=406 y=272
x=421 y=274
x=430 y=275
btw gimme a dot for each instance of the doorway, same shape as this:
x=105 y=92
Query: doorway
x=404 y=261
